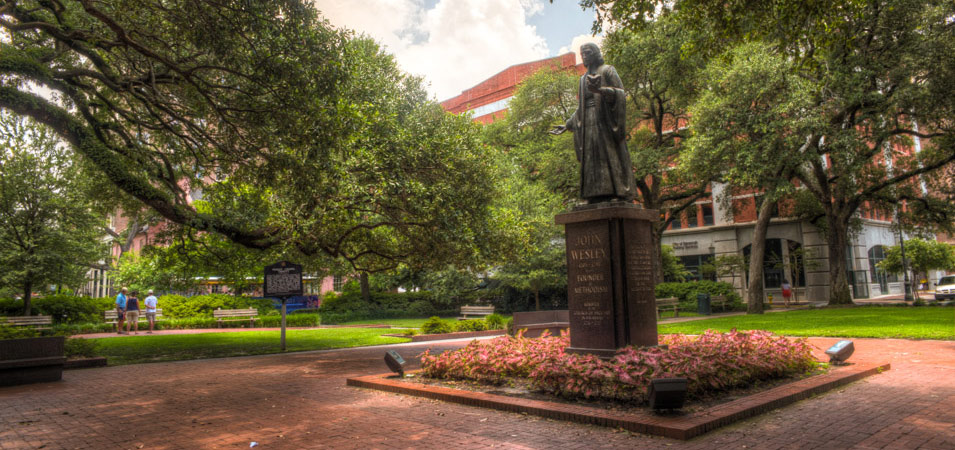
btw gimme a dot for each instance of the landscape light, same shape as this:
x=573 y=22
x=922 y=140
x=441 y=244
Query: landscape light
x=395 y=362
x=667 y=393
x=839 y=353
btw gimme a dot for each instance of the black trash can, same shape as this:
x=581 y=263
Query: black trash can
x=703 y=304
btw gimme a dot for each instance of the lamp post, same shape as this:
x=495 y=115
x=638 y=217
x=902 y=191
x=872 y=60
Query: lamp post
x=905 y=267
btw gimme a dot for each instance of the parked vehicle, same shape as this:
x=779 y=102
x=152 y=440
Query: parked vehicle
x=945 y=288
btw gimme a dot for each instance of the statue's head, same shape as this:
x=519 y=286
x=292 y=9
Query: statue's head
x=590 y=55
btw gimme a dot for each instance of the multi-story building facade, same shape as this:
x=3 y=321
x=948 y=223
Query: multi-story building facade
x=718 y=228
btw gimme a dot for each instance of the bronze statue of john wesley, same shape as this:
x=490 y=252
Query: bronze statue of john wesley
x=600 y=132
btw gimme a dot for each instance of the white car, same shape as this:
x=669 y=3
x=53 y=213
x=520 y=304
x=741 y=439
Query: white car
x=945 y=288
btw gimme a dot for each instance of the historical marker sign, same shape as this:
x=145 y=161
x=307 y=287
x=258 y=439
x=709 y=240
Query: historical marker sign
x=283 y=279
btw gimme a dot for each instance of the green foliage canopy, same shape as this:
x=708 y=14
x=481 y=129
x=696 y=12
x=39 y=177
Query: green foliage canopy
x=327 y=147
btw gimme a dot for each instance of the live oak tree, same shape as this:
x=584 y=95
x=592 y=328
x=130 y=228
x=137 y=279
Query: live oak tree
x=328 y=148
x=882 y=76
x=49 y=227
x=749 y=129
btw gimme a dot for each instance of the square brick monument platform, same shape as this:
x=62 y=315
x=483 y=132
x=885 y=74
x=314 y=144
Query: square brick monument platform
x=610 y=277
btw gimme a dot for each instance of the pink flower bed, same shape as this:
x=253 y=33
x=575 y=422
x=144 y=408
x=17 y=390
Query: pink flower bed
x=710 y=362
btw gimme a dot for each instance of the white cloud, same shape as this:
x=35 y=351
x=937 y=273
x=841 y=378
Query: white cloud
x=578 y=41
x=453 y=45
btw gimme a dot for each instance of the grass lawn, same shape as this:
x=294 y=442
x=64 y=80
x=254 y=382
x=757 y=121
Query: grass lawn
x=405 y=323
x=400 y=323
x=176 y=347
x=859 y=322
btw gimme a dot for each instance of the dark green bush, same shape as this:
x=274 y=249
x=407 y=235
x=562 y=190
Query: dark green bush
x=177 y=306
x=63 y=308
x=687 y=291
x=349 y=306
x=495 y=322
x=8 y=332
x=435 y=325
x=79 y=348
x=470 y=325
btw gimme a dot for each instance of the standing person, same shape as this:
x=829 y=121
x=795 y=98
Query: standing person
x=132 y=312
x=151 y=302
x=121 y=310
x=600 y=132
x=787 y=291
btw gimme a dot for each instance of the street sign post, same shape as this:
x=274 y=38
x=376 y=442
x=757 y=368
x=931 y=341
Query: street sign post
x=283 y=280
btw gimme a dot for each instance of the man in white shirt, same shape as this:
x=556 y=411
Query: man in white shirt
x=151 y=302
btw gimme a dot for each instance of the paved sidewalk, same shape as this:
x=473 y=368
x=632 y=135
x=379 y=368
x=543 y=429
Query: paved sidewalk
x=300 y=400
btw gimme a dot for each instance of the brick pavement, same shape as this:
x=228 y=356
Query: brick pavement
x=300 y=400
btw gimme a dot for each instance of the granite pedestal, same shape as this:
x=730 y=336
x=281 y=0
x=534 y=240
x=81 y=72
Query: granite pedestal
x=610 y=277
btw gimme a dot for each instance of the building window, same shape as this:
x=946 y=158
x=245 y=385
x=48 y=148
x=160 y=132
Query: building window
x=215 y=288
x=707 y=214
x=337 y=283
x=876 y=255
x=693 y=264
x=691 y=219
x=675 y=224
x=772 y=263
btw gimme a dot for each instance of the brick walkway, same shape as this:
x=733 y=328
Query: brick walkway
x=300 y=400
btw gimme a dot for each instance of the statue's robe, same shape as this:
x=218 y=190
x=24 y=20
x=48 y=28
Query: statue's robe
x=600 y=138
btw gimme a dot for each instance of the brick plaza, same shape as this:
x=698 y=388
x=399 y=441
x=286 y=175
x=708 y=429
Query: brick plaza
x=300 y=400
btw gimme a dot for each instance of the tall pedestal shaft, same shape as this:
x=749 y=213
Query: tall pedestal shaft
x=610 y=278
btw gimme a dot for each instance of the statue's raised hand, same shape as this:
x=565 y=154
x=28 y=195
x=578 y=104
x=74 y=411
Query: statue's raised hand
x=559 y=129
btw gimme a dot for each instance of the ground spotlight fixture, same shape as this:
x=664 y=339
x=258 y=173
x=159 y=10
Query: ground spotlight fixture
x=667 y=393
x=839 y=353
x=395 y=362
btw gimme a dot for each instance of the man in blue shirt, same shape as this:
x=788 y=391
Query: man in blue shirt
x=120 y=310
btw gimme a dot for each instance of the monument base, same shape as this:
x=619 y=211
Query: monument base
x=610 y=277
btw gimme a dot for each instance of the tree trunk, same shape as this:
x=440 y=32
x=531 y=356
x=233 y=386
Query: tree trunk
x=754 y=294
x=837 y=241
x=537 y=300
x=27 y=294
x=365 y=288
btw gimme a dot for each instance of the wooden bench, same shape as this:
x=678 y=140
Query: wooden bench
x=477 y=311
x=669 y=303
x=111 y=318
x=35 y=322
x=720 y=300
x=233 y=315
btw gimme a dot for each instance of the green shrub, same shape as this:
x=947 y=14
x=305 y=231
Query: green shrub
x=80 y=348
x=8 y=332
x=470 y=325
x=350 y=306
x=177 y=306
x=687 y=291
x=435 y=325
x=291 y=320
x=62 y=308
x=494 y=322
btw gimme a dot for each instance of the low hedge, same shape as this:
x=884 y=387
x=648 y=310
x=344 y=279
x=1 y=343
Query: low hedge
x=688 y=290
x=63 y=308
x=193 y=323
x=349 y=306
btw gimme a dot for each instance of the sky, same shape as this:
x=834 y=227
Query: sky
x=455 y=44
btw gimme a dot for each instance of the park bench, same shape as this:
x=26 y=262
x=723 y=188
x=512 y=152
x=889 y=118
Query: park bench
x=720 y=300
x=476 y=311
x=111 y=318
x=35 y=322
x=233 y=315
x=669 y=303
